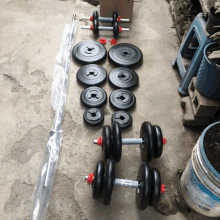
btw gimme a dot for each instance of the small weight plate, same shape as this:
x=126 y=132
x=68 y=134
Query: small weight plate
x=122 y=99
x=95 y=29
x=147 y=148
x=97 y=183
x=114 y=17
x=116 y=29
x=156 y=187
x=126 y=55
x=158 y=140
x=95 y=15
x=108 y=182
x=91 y=75
x=116 y=141
x=106 y=141
x=88 y=52
x=93 y=116
x=93 y=97
x=144 y=191
x=123 y=118
x=123 y=78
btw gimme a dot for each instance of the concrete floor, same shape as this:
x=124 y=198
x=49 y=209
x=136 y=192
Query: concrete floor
x=30 y=38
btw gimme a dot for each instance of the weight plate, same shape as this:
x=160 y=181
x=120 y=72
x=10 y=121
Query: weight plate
x=126 y=55
x=147 y=148
x=93 y=97
x=95 y=15
x=116 y=140
x=156 y=187
x=95 y=29
x=97 y=183
x=109 y=177
x=93 y=116
x=88 y=52
x=116 y=29
x=91 y=75
x=123 y=118
x=106 y=141
x=123 y=78
x=114 y=17
x=158 y=140
x=122 y=99
x=144 y=190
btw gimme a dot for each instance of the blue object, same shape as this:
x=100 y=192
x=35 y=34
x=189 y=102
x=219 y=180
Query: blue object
x=197 y=29
x=208 y=78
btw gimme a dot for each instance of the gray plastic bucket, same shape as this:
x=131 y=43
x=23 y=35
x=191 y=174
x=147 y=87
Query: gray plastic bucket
x=200 y=182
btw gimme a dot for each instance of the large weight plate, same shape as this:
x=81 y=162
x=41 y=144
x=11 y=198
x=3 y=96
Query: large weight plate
x=93 y=116
x=122 y=99
x=158 y=141
x=123 y=78
x=147 y=148
x=93 y=97
x=91 y=75
x=97 y=183
x=95 y=29
x=88 y=52
x=95 y=15
x=108 y=182
x=123 y=118
x=156 y=187
x=144 y=191
x=106 y=141
x=116 y=29
x=114 y=17
x=116 y=141
x=126 y=55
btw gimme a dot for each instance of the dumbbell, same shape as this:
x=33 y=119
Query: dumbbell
x=148 y=184
x=113 y=19
x=151 y=141
x=96 y=28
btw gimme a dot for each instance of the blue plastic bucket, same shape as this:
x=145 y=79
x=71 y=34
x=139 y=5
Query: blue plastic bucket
x=208 y=78
x=200 y=182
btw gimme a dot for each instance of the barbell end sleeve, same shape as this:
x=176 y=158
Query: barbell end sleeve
x=125 y=20
x=86 y=18
x=85 y=27
x=86 y=177
x=125 y=29
x=95 y=141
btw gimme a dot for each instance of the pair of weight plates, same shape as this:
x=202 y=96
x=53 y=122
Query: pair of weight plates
x=92 y=52
x=122 y=99
x=123 y=118
x=149 y=180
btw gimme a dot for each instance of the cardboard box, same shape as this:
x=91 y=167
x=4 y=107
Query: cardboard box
x=123 y=7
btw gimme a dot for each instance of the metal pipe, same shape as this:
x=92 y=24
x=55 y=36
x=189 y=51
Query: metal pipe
x=126 y=183
x=104 y=28
x=105 y=19
x=131 y=141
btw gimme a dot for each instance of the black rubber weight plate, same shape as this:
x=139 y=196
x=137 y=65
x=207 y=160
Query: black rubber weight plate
x=126 y=55
x=122 y=99
x=156 y=187
x=144 y=179
x=123 y=78
x=97 y=183
x=158 y=141
x=93 y=116
x=147 y=148
x=91 y=75
x=106 y=141
x=123 y=118
x=88 y=52
x=116 y=141
x=93 y=97
x=108 y=181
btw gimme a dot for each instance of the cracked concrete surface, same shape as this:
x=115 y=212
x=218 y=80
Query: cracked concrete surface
x=30 y=38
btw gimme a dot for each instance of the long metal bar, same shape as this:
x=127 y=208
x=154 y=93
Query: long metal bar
x=131 y=141
x=105 y=19
x=126 y=183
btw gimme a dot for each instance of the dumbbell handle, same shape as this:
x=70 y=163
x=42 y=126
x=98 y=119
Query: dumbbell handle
x=129 y=183
x=104 y=28
x=104 y=19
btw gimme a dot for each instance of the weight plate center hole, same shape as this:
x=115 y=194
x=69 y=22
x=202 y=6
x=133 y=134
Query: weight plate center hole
x=125 y=53
x=122 y=117
x=122 y=97
x=89 y=50
x=93 y=114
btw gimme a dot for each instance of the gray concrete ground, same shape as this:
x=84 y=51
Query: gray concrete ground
x=30 y=37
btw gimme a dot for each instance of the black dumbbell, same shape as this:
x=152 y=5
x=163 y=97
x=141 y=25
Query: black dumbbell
x=96 y=28
x=148 y=184
x=151 y=141
x=113 y=19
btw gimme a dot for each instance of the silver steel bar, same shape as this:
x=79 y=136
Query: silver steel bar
x=126 y=183
x=104 y=28
x=131 y=141
x=86 y=177
x=86 y=18
x=103 y=19
x=124 y=20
